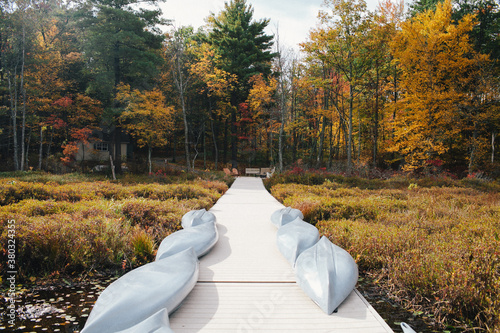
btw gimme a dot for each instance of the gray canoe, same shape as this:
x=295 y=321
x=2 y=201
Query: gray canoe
x=197 y=217
x=137 y=299
x=201 y=238
x=285 y=215
x=327 y=274
x=157 y=323
x=295 y=237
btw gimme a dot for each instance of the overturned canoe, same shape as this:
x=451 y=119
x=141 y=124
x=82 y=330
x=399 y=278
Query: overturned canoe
x=327 y=274
x=138 y=297
x=201 y=238
x=197 y=217
x=295 y=237
x=285 y=215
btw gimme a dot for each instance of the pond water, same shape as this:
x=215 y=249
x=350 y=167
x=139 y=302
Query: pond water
x=54 y=308
x=66 y=308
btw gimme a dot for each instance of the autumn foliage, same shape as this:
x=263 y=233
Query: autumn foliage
x=434 y=250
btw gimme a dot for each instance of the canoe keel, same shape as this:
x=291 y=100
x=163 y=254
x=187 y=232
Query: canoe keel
x=327 y=274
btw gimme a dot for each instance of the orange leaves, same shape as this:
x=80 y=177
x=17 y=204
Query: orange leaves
x=63 y=102
x=69 y=152
x=70 y=149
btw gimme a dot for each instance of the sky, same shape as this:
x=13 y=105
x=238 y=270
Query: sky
x=294 y=18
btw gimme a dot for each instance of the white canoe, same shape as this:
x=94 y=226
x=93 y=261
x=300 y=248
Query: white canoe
x=138 y=297
x=295 y=237
x=157 y=323
x=197 y=217
x=285 y=215
x=201 y=238
x=327 y=274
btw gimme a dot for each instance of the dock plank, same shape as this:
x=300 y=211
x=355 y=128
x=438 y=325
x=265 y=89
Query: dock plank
x=245 y=285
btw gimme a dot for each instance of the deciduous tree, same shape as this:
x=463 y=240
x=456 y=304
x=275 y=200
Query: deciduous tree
x=146 y=117
x=443 y=86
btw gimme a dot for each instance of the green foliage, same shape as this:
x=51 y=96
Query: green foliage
x=243 y=46
x=120 y=45
x=143 y=247
x=435 y=246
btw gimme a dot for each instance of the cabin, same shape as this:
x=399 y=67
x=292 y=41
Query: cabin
x=101 y=145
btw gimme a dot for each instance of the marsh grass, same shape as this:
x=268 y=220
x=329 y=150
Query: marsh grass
x=435 y=249
x=70 y=224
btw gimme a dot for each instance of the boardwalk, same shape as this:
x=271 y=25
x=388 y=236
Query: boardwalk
x=245 y=284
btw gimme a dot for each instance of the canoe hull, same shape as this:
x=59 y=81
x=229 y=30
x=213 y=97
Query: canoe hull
x=294 y=238
x=142 y=294
x=201 y=238
x=197 y=217
x=327 y=274
x=285 y=215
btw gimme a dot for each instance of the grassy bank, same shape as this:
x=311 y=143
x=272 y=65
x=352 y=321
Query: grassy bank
x=74 y=224
x=433 y=245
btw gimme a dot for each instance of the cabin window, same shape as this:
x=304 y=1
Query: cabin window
x=101 y=146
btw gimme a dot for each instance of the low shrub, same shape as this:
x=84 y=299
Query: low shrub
x=65 y=227
x=434 y=248
x=64 y=242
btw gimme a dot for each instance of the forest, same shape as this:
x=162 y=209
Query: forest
x=413 y=89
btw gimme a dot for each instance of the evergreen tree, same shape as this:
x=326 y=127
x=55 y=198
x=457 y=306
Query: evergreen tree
x=485 y=34
x=420 y=6
x=121 y=45
x=244 y=50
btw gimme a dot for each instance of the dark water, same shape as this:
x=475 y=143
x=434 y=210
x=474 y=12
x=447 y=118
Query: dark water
x=390 y=311
x=66 y=308
x=53 y=309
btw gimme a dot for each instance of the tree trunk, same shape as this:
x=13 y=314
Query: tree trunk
x=216 y=150
x=234 y=141
x=149 y=160
x=112 y=166
x=13 y=115
x=359 y=136
x=375 y=120
x=23 y=91
x=226 y=142
x=473 y=149
x=40 y=156
x=319 y=157
x=349 y=138
x=181 y=84
x=27 y=150
x=493 y=135
x=186 y=132
x=204 y=147
x=118 y=149
x=48 y=148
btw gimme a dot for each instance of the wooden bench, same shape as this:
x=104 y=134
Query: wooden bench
x=261 y=172
x=252 y=171
x=266 y=172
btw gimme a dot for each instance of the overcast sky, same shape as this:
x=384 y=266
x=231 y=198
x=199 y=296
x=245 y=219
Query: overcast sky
x=294 y=17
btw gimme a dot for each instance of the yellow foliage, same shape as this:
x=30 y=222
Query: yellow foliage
x=146 y=117
x=436 y=59
x=261 y=93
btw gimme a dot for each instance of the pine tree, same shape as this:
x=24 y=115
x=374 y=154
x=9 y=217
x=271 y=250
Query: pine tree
x=244 y=50
x=121 y=45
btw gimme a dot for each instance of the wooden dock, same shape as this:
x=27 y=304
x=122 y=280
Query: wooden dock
x=245 y=284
